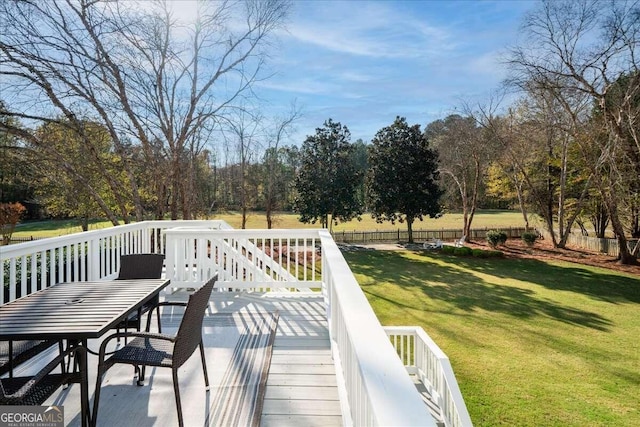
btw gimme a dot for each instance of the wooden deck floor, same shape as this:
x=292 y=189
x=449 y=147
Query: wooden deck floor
x=301 y=386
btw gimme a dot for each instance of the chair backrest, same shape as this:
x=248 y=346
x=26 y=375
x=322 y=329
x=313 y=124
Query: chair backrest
x=141 y=266
x=190 y=331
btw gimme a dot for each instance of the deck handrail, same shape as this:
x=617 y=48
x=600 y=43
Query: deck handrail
x=245 y=259
x=379 y=389
x=424 y=358
x=90 y=255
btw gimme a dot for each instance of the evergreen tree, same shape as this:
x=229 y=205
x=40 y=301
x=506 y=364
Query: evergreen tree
x=402 y=182
x=327 y=180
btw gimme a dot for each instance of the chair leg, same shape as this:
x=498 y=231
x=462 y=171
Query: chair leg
x=204 y=366
x=149 y=315
x=10 y=359
x=176 y=389
x=141 y=372
x=62 y=365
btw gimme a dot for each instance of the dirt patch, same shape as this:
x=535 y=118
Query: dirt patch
x=544 y=249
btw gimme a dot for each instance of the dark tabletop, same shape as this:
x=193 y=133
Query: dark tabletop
x=80 y=310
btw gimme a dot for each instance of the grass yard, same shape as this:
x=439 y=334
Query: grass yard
x=532 y=343
x=482 y=219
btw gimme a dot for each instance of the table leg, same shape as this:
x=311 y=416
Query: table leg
x=80 y=363
x=84 y=387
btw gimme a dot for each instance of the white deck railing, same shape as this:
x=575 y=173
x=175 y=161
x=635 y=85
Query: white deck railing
x=379 y=389
x=375 y=387
x=244 y=259
x=423 y=358
x=92 y=255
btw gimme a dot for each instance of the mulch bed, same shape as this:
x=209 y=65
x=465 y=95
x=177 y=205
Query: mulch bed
x=544 y=249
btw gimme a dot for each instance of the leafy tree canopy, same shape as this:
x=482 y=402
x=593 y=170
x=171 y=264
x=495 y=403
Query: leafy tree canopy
x=328 y=177
x=402 y=183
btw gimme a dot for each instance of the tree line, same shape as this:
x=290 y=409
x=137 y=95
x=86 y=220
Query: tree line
x=125 y=113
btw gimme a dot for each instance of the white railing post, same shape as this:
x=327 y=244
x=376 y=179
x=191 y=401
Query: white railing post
x=93 y=259
x=433 y=368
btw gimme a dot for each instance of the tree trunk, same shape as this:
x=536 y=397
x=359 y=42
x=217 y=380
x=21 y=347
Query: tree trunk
x=523 y=208
x=269 y=218
x=624 y=257
x=410 y=228
x=175 y=186
x=600 y=220
x=244 y=217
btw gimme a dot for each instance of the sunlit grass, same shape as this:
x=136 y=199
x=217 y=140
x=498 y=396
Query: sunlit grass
x=482 y=219
x=532 y=343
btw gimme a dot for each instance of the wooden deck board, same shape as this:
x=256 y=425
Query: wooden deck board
x=300 y=420
x=301 y=387
x=301 y=407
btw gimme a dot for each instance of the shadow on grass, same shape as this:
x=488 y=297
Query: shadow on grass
x=612 y=288
x=469 y=293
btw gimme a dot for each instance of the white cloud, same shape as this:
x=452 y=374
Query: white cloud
x=370 y=29
x=307 y=86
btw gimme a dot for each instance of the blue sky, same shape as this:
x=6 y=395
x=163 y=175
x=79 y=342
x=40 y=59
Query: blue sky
x=363 y=63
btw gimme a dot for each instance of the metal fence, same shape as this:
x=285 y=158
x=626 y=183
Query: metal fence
x=15 y=240
x=400 y=235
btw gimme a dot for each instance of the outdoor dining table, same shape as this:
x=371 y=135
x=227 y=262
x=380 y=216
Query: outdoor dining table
x=76 y=312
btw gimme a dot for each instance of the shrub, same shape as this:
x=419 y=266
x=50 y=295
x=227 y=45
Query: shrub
x=529 y=238
x=448 y=249
x=462 y=251
x=479 y=253
x=495 y=238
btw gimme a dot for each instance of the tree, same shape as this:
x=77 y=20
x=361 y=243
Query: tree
x=16 y=184
x=508 y=172
x=538 y=141
x=361 y=160
x=78 y=175
x=10 y=214
x=274 y=171
x=137 y=72
x=402 y=182
x=583 y=47
x=327 y=180
x=464 y=157
x=244 y=129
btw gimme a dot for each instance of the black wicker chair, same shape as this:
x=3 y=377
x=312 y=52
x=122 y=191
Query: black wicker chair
x=13 y=353
x=140 y=266
x=34 y=390
x=161 y=350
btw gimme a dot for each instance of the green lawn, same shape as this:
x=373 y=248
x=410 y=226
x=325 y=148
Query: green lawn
x=532 y=343
x=482 y=219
